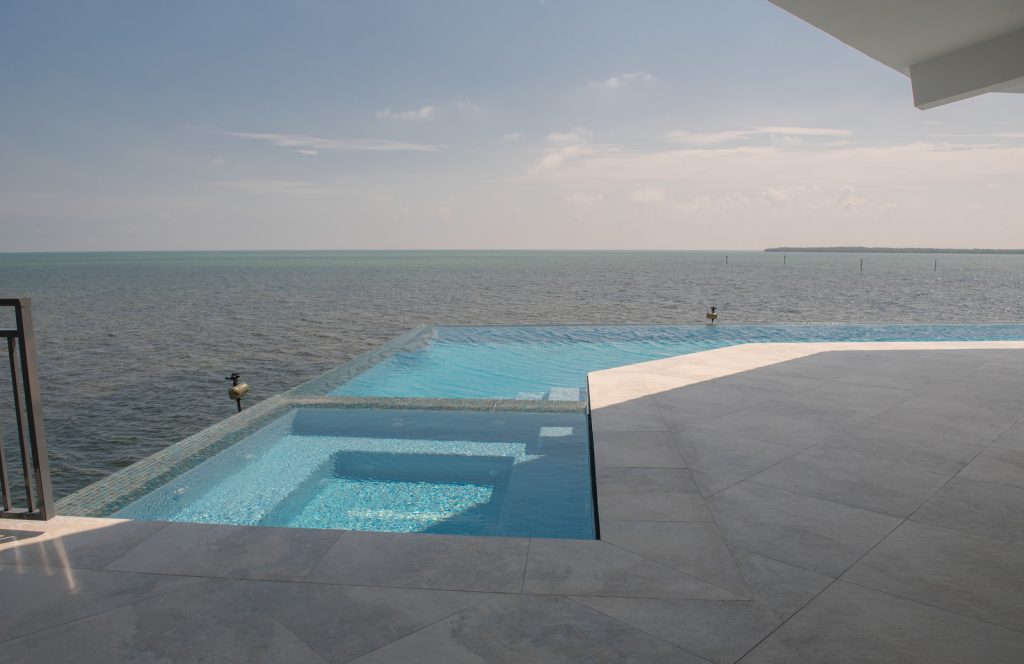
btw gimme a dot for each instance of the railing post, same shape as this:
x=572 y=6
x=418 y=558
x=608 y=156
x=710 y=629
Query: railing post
x=34 y=407
x=28 y=416
x=5 y=491
x=23 y=441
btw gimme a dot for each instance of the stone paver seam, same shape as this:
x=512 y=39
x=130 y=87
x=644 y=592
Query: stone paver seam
x=337 y=584
x=295 y=636
x=957 y=474
x=105 y=568
x=704 y=499
x=572 y=598
x=526 y=564
x=676 y=571
x=854 y=563
x=816 y=595
x=486 y=597
x=154 y=595
x=909 y=599
x=341 y=533
x=826 y=500
x=993 y=443
x=829 y=585
x=796 y=450
x=443 y=618
x=944 y=609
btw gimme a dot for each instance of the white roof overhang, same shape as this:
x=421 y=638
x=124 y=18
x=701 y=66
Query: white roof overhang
x=950 y=49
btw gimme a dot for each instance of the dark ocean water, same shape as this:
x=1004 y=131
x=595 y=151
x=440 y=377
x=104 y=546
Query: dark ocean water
x=134 y=347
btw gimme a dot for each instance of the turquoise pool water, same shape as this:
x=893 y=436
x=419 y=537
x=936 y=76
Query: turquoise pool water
x=552 y=362
x=456 y=472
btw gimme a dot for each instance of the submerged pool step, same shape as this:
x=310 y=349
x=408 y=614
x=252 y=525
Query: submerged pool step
x=564 y=394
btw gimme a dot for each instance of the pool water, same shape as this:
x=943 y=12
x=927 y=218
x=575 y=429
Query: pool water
x=456 y=472
x=553 y=362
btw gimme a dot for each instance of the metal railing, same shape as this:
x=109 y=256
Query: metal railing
x=28 y=414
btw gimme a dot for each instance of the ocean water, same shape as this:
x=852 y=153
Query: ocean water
x=134 y=347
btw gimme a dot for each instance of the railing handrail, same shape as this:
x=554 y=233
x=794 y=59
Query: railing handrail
x=35 y=466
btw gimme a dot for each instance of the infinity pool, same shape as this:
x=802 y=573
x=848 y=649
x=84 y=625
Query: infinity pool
x=466 y=473
x=318 y=456
x=552 y=362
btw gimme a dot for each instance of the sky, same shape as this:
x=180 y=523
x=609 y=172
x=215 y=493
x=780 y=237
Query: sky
x=477 y=124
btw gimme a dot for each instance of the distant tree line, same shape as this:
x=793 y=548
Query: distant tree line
x=894 y=250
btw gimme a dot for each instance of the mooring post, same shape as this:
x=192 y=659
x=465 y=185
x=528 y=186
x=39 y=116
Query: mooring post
x=862 y=265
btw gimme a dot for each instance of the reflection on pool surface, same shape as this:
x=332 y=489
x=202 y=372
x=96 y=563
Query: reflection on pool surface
x=552 y=362
x=457 y=472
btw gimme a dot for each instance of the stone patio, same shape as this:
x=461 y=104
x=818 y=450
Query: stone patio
x=760 y=503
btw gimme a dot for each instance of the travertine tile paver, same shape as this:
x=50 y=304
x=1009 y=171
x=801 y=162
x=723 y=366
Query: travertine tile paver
x=228 y=551
x=695 y=548
x=530 y=629
x=807 y=532
x=720 y=460
x=722 y=631
x=649 y=494
x=1012 y=438
x=638 y=449
x=973 y=423
x=36 y=598
x=848 y=624
x=344 y=622
x=210 y=622
x=997 y=464
x=96 y=543
x=442 y=562
x=599 y=568
x=977 y=507
x=971 y=575
x=873 y=468
x=822 y=471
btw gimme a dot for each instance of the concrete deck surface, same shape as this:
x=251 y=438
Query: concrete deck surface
x=762 y=503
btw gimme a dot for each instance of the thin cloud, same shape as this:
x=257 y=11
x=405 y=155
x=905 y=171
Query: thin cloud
x=574 y=135
x=273 y=187
x=649 y=196
x=299 y=142
x=998 y=136
x=562 y=147
x=583 y=198
x=424 y=113
x=620 y=80
x=468 y=107
x=735 y=135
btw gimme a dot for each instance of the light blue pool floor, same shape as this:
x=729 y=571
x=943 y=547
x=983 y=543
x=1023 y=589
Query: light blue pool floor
x=471 y=473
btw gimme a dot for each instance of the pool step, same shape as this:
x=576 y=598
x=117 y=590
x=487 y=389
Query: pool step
x=564 y=394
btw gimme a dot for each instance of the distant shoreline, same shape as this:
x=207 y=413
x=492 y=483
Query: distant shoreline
x=891 y=250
